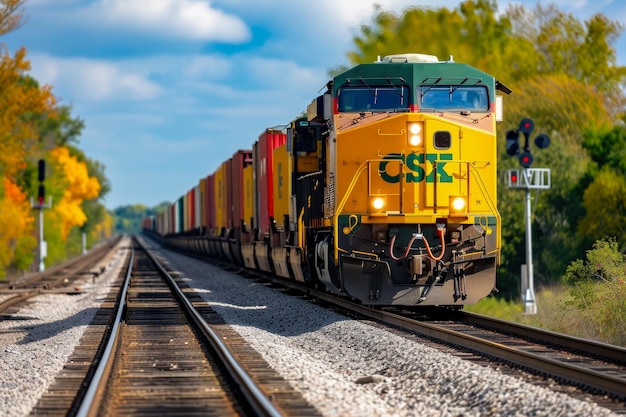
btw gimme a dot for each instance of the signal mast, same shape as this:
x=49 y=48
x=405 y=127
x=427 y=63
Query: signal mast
x=41 y=176
x=527 y=179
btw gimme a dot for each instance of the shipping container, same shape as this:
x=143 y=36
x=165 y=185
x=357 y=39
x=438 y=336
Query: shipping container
x=228 y=196
x=220 y=198
x=179 y=215
x=209 y=204
x=197 y=217
x=282 y=185
x=269 y=140
x=189 y=210
x=240 y=160
x=249 y=197
x=201 y=206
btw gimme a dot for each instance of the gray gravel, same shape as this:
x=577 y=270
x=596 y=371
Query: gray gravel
x=348 y=368
x=37 y=341
x=342 y=366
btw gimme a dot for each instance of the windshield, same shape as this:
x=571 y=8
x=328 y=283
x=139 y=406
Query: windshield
x=373 y=98
x=453 y=98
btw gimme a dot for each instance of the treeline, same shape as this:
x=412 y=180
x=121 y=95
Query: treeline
x=127 y=219
x=33 y=127
x=564 y=76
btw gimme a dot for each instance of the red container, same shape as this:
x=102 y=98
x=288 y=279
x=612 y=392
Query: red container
x=269 y=140
x=240 y=160
x=209 y=203
x=191 y=209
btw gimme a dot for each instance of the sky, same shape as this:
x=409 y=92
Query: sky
x=169 y=89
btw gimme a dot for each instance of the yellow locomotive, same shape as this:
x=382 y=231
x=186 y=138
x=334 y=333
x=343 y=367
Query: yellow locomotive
x=385 y=191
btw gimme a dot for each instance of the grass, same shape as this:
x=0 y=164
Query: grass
x=552 y=314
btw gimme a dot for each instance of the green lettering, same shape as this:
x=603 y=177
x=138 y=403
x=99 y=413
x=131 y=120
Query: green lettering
x=382 y=166
x=415 y=165
x=443 y=175
x=412 y=162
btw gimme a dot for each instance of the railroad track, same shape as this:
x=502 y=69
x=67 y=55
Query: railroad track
x=163 y=352
x=579 y=367
x=591 y=367
x=59 y=278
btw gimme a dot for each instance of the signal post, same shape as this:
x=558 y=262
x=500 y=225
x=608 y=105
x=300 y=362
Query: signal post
x=41 y=205
x=527 y=179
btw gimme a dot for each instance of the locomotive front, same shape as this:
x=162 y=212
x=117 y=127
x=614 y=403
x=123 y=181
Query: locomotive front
x=409 y=205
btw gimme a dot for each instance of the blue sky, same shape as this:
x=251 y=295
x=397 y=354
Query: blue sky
x=168 y=89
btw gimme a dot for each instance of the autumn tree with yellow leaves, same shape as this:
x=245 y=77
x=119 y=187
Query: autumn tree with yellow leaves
x=32 y=127
x=78 y=186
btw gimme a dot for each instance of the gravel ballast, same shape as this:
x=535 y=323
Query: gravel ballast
x=342 y=366
x=36 y=342
x=327 y=357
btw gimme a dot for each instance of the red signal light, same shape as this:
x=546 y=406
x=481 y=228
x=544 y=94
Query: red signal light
x=526 y=159
x=40 y=194
x=526 y=126
x=514 y=178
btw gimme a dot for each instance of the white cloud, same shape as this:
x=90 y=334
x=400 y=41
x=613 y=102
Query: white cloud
x=92 y=80
x=181 y=19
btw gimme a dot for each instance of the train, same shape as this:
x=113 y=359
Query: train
x=384 y=190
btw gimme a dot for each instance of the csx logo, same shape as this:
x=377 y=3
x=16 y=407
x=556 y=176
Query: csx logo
x=415 y=163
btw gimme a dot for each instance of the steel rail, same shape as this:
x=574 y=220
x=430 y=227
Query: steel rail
x=259 y=402
x=91 y=401
x=588 y=347
x=608 y=384
x=570 y=372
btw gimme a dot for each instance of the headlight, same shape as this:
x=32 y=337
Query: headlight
x=379 y=204
x=415 y=141
x=458 y=206
x=415 y=134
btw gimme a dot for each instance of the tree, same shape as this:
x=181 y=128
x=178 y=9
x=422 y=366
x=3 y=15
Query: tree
x=32 y=127
x=598 y=288
x=604 y=198
x=77 y=187
x=564 y=45
x=20 y=96
x=15 y=227
x=11 y=15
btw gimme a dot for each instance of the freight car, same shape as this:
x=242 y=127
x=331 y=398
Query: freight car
x=383 y=191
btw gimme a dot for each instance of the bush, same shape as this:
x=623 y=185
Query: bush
x=598 y=291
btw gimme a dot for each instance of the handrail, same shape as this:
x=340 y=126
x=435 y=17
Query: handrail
x=365 y=166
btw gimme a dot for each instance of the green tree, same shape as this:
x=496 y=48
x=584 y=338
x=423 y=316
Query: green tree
x=604 y=197
x=127 y=219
